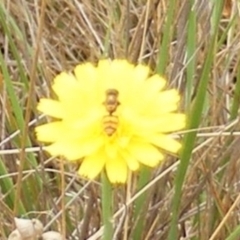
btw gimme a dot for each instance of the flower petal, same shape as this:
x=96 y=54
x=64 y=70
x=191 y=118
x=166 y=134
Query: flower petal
x=73 y=94
x=171 y=122
x=165 y=142
x=156 y=103
x=155 y=83
x=51 y=107
x=142 y=125
x=140 y=73
x=74 y=150
x=50 y=132
x=114 y=75
x=103 y=75
x=145 y=153
x=170 y=98
x=149 y=92
x=117 y=170
x=86 y=73
x=92 y=165
x=131 y=161
x=111 y=150
x=64 y=83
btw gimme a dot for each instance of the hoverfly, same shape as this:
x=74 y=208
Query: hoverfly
x=110 y=121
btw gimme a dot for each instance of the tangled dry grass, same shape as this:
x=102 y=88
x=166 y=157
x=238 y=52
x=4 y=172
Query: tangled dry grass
x=39 y=39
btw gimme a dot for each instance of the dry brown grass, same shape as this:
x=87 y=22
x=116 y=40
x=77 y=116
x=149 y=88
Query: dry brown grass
x=76 y=31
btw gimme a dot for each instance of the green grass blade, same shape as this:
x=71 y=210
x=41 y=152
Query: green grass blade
x=140 y=204
x=107 y=207
x=167 y=35
x=34 y=181
x=191 y=56
x=7 y=187
x=194 y=119
x=235 y=234
x=9 y=26
x=236 y=98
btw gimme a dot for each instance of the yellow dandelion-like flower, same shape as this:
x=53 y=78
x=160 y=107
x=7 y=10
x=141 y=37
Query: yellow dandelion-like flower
x=113 y=116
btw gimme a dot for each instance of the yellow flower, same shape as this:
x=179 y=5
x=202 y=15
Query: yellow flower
x=113 y=116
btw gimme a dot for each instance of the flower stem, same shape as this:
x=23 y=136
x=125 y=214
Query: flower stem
x=107 y=210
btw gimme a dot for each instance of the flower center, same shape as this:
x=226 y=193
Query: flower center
x=110 y=121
